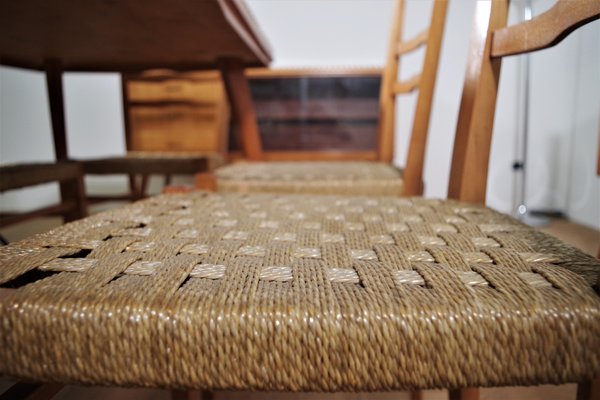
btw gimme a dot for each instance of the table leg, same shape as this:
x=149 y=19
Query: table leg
x=191 y=395
x=464 y=394
x=69 y=190
x=238 y=92
x=589 y=390
x=54 y=83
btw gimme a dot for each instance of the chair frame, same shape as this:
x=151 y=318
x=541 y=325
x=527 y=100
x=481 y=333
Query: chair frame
x=423 y=81
x=69 y=175
x=475 y=124
x=391 y=87
x=494 y=40
x=490 y=41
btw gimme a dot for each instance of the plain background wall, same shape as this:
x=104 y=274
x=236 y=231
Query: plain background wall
x=563 y=121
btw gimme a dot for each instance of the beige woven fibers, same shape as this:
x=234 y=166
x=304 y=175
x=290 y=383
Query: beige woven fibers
x=362 y=178
x=259 y=291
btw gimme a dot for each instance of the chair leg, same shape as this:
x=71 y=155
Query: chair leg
x=74 y=190
x=191 y=395
x=206 y=181
x=138 y=189
x=464 y=394
x=589 y=390
x=417 y=395
x=31 y=391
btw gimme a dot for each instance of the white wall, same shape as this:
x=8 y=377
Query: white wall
x=563 y=122
x=565 y=93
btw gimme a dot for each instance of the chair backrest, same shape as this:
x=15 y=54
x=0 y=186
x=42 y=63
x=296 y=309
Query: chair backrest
x=423 y=81
x=491 y=40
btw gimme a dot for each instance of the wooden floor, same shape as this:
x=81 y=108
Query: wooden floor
x=579 y=236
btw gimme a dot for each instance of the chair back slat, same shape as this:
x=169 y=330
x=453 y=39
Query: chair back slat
x=413 y=170
x=386 y=95
x=472 y=145
x=424 y=82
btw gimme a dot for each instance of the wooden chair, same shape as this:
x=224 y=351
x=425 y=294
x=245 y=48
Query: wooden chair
x=175 y=124
x=359 y=177
x=317 y=293
x=128 y=47
x=68 y=174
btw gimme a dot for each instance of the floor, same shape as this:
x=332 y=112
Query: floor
x=579 y=236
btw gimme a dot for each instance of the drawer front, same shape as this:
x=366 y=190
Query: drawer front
x=175 y=128
x=203 y=91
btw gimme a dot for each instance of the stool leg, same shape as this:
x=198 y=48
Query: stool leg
x=206 y=181
x=132 y=186
x=32 y=391
x=417 y=395
x=464 y=394
x=144 y=186
x=589 y=390
x=191 y=395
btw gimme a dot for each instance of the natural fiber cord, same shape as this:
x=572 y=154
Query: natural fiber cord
x=316 y=293
x=362 y=178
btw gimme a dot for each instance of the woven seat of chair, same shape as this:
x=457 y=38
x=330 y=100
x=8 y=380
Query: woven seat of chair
x=263 y=291
x=326 y=177
x=154 y=163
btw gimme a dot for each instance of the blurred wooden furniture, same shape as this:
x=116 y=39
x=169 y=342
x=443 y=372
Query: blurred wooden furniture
x=302 y=113
x=72 y=192
x=184 y=112
x=58 y=36
x=314 y=113
x=175 y=123
x=289 y=177
x=315 y=293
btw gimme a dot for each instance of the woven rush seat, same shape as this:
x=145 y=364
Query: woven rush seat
x=319 y=293
x=312 y=177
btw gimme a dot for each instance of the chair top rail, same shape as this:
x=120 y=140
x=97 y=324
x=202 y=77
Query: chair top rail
x=545 y=30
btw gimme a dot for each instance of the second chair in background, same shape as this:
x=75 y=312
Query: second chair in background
x=359 y=177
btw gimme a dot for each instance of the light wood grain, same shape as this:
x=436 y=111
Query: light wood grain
x=408 y=85
x=413 y=171
x=166 y=111
x=413 y=44
x=468 y=175
x=322 y=72
x=424 y=81
x=545 y=30
x=470 y=160
x=386 y=130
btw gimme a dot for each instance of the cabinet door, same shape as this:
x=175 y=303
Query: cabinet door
x=312 y=113
x=180 y=128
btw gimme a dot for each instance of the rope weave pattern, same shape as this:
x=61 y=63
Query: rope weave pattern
x=275 y=292
x=330 y=177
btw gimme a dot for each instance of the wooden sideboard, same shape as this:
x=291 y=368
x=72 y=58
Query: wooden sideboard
x=302 y=113
x=168 y=112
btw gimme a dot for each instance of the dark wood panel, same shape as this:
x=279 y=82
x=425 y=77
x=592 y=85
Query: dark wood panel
x=318 y=109
x=326 y=135
x=315 y=113
x=128 y=35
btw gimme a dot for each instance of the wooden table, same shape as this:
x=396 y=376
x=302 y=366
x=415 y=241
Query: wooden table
x=129 y=35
